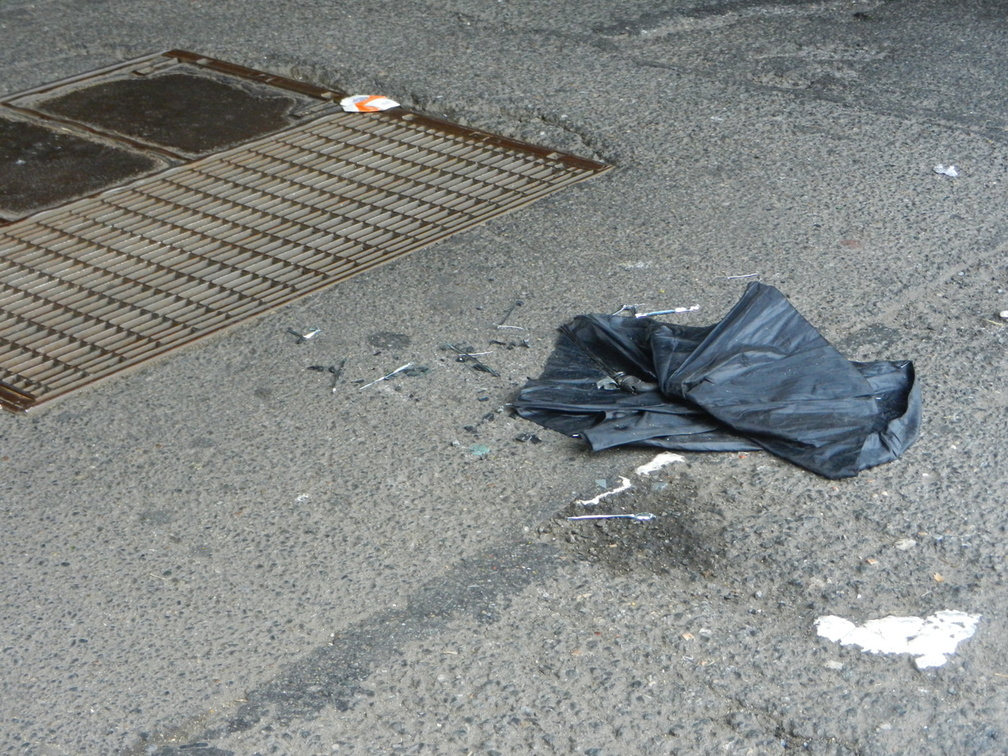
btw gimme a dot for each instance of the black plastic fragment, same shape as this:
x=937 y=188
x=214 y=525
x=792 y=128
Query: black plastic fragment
x=762 y=378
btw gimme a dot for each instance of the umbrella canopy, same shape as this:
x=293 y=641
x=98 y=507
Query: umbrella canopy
x=762 y=378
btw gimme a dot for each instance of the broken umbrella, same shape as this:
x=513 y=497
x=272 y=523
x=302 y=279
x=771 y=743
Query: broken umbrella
x=761 y=378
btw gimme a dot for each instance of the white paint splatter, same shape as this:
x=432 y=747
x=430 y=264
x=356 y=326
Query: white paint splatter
x=665 y=458
x=930 y=641
x=623 y=486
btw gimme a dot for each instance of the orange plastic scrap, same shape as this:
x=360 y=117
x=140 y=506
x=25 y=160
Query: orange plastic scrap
x=367 y=103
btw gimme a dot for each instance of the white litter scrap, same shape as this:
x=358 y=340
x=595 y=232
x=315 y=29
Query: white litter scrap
x=623 y=486
x=946 y=170
x=930 y=641
x=367 y=103
x=665 y=458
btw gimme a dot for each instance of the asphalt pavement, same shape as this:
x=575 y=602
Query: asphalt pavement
x=219 y=554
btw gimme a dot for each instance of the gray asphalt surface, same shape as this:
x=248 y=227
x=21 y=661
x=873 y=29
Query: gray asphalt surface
x=218 y=555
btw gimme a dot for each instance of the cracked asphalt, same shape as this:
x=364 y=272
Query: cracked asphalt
x=217 y=554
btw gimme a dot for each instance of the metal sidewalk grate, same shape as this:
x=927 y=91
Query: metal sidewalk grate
x=102 y=283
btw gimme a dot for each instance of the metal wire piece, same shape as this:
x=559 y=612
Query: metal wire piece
x=639 y=517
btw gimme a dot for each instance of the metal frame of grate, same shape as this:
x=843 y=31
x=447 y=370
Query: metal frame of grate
x=104 y=283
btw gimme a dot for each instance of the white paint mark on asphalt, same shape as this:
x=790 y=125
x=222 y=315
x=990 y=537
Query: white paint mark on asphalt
x=623 y=486
x=665 y=458
x=930 y=641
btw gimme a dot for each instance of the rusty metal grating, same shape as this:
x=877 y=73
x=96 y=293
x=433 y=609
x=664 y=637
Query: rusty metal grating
x=101 y=283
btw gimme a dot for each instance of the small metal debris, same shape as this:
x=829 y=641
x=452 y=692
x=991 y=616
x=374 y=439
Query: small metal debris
x=673 y=311
x=303 y=337
x=511 y=309
x=336 y=370
x=639 y=517
x=631 y=384
x=744 y=275
x=385 y=377
x=466 y=355
x=531 y=438
x=634 y=309
x=631 y=308
x=524 y=343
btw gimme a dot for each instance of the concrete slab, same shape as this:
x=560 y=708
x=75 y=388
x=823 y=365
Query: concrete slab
x=218 y=554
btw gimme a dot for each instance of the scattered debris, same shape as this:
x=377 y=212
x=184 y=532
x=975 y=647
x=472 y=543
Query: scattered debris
x=761 y=378
x=303 y=337
x=479 y=450
x=489 y=417
x=530 y=438
x=951 y=171
x=930 y=641
x=511 y=309
x=385 y=377
x=1003 y=314
x=367 y=103
x=623 y=486
x=639 y=517
x=905 y=544
x=524 y=343
x=467 y=355
x=336 y=370
x=744 y=275
x=660 y=461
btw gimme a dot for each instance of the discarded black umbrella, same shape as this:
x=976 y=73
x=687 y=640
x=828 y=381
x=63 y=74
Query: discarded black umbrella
x=762 y=378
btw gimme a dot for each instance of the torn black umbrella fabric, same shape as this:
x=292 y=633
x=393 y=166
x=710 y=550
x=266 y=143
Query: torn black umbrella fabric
x=762 y=378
